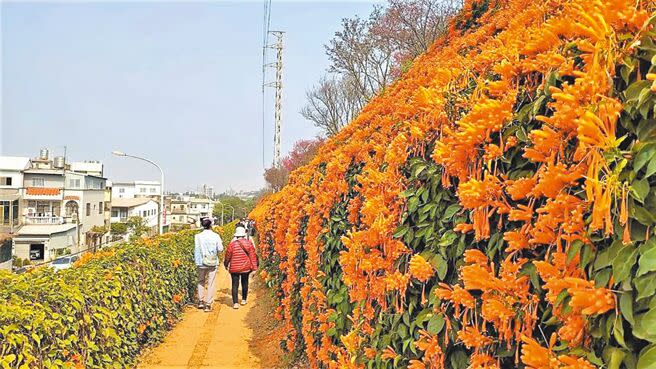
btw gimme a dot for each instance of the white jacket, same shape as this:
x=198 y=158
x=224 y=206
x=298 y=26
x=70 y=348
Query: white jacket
x=207 y=243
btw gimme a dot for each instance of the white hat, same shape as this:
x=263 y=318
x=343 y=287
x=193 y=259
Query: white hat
x=240 y=232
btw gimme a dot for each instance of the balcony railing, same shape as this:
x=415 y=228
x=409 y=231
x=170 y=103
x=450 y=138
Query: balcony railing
x=43 y=220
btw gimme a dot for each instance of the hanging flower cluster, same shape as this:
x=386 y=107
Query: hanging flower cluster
x=519 y=108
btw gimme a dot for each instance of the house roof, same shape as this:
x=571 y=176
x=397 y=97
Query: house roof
x=42 y=191
x=14 y=162
x=59 y=172
x=201 y=200
x=130 y=203
x=38 y=229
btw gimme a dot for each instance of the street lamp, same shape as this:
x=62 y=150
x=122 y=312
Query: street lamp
x=222 y=209
x=233 y=212
x=161 y=195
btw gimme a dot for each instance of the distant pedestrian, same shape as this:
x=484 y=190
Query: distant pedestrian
x=240 y=260
x=206 y=255
x=251 y=229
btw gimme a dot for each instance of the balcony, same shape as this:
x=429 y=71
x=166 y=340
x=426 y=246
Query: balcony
x=43 y=220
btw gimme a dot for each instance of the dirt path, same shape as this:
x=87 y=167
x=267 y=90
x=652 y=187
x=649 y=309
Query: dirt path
x=223 y=339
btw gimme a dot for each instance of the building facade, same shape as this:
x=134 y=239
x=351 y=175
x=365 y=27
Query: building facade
x=11 y=186
x=61 y=210
x=145 y=208
x=130 y=190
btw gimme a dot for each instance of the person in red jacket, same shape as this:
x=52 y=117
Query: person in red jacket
x=240 y=260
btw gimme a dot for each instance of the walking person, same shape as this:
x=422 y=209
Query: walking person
x=240 y=260
x=206 y=255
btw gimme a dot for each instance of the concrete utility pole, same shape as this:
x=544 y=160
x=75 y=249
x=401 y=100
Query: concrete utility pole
x=277 y=84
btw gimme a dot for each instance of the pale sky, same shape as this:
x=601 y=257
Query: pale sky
x=177 y=82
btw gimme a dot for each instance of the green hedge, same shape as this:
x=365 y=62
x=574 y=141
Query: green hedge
x=103 y=311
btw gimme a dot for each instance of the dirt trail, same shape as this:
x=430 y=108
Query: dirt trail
x=223 y=339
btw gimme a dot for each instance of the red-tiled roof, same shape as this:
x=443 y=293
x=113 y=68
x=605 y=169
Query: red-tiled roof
x=42 y=191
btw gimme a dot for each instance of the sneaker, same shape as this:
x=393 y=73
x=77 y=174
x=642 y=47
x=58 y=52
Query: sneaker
x=235 y=306
x=243 y=302
x=201 y=306
x=207 y=309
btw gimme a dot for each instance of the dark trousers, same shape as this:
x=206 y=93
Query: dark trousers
x=235 y=286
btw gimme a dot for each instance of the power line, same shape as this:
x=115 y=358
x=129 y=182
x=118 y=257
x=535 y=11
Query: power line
x=266 y=22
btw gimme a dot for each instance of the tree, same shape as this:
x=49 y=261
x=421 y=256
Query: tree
x=119 y=228
x=276 y=177
x=366 y=60
x=332 y=104
x=137 y=227
x=302 y=153
x=412 y=26
x=242 y=207
x=367 y=55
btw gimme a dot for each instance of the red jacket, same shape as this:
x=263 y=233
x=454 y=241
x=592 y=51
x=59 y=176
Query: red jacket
x=240 y=256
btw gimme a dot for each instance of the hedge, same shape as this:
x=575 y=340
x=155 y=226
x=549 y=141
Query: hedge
x=494 y=208
x=101 y=312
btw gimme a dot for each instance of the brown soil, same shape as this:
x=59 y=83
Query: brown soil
x=225 y=338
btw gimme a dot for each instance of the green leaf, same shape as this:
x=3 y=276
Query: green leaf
x=647 y=261
x=642 y=215
x=624 y=262
x=613 y=357
x=640 y=189
x=647 y=359
x=412 y=204
x=644 y=327
x=435 y=324
x=450 y=211
x=651 y=167
x=645 y=285
x=447 y=238
x=618 y=333
x=643 y=156
x=574 y=250
x=626 y=306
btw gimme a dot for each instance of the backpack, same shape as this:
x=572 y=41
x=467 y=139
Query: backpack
x=211 y=260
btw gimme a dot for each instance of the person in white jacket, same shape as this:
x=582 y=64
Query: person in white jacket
x=206 y=255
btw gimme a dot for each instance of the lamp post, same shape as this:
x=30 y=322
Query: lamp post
x=222 y=208
x=161 y=194
x=233 y=212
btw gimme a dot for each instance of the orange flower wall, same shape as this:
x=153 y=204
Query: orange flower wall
x=491 y=209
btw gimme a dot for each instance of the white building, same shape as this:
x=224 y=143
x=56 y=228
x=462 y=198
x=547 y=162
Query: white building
x=61 y=210
x=11 y=185
x=187 y=211
x=200 y=208
x=130 y=190
x=124 y=209
x=206 y=191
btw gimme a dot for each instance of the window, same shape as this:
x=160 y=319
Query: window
x=142 y=190
x=100 y=207
x=114 y=213
x=38 y=182
x=5 y=181
x=121 y=190
x=88 y=209
x=153 y=190
x=74 y=183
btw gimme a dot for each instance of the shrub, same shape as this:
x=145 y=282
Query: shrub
x=101 y=312
x=492 y=209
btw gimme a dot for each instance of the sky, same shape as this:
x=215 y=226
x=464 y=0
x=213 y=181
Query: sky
x=176 y=82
